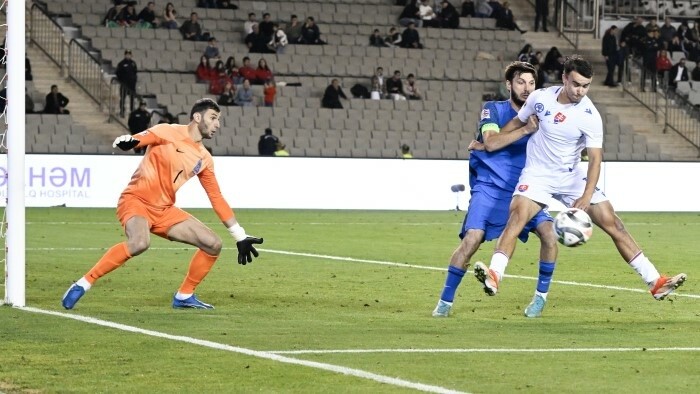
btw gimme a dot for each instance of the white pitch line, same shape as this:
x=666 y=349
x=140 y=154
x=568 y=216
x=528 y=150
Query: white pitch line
x=249 y=352
x=394 y=264
x=456 y=223
x=552 y=350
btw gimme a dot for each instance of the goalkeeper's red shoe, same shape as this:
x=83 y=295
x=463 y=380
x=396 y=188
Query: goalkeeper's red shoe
x=487 y=277
x=71 y=297
x=665 y=285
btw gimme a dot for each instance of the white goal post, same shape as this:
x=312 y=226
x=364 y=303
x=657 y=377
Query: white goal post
x=13 y=141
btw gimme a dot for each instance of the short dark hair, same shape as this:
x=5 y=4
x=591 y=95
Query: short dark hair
x=579 y=64
x=410 y=76
x=517 y=68
x=294 y=16
x=266 y=14
x=251 y=14
x=202 y=105
x=268 y=131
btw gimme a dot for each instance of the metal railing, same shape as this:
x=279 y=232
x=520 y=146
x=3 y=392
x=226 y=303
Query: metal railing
x=75 y=61
x=675 y=111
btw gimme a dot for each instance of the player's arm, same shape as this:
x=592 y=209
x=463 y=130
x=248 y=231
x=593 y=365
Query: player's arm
x=595 y=158
x=514 y=130
x=244 y=242
x=140 y=140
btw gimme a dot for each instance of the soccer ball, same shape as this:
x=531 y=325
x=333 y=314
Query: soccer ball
x=573 y=227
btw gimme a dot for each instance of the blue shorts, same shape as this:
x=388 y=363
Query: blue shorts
x=491 y=215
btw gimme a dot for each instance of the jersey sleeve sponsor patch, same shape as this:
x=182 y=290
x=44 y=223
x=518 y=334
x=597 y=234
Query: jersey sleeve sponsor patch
x=485 y=113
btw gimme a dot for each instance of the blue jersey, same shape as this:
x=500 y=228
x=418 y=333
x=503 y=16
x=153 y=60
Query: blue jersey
x=496 y=173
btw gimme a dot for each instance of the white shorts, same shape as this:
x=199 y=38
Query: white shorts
x=565 y=187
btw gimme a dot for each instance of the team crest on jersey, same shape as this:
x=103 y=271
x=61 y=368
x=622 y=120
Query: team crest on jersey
x=485 y=113
x=559 y=118
x=539 y=107
x=197 y=167
x=588 y=111
x=522 y=188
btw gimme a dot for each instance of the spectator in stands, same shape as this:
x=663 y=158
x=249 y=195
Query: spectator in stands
x=281 y=150
x=279 y=39
x=394 y=87
x=506 y=20
x=695 y=74
x=139 y=120
x=219 y=79
x=267 y=145
x=191 y=29
x=228 y=96
x=110 y=19
x=410 y=37
x=232 y=70
x=56 y=102
x=262 y=73
x=411 y=88
x=226 y=5
x=379 y=73
x=266 y=27
x=468 y=9
x=633 y=33
x=526 y=54
x=663 y=64
x=310 y=33
x=212 y=49
x=127 y=17
x=244 y=95
x=256 y=43
x=482 y=9
x=651 y=48
x=623 y=54
x=394 y=38
x=27 y=70
x=28 y=102
x=448 y=16
x=204 y=70
x=541 y=13
x=426 y=14
x=246 y=71
x=147 y=16
x=667 y=32
x=332 y=95
x=3 y=99
x=679 y=72
x=169 y=17
x=206 y=3
x=410 y=14
x=376 y=90
x=554 y=62
x=609 y=52
x=248 y=25
x=376 y=40
x=406 y=152
x=269 y=93
x=652 y=25
x=293 y=30
x=127 y=77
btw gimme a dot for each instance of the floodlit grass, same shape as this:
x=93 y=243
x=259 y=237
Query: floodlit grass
x=295 y=297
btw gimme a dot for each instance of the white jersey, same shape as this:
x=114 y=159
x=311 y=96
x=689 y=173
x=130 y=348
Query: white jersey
x=565 y=129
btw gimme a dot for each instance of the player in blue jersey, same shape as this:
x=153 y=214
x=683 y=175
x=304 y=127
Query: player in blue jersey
x=492 y=178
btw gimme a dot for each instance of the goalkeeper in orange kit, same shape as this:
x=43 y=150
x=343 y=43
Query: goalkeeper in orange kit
x=174 y=154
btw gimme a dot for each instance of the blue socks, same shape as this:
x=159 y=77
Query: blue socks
x=545 y=277
x=454 y=278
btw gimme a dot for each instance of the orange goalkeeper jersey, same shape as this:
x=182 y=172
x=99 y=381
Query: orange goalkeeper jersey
x=171 y=159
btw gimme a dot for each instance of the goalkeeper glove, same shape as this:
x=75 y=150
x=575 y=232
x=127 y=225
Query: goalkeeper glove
x=244 y=243
x=125 y=142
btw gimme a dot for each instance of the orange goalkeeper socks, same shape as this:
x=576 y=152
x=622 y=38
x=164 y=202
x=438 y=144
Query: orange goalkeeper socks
x=115 y=257
x=199 y=268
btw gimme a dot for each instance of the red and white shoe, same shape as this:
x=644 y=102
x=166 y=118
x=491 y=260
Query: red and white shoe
x=487 y=277
x=665 y=285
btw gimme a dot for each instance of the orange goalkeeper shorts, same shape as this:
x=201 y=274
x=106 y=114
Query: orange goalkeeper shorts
x=160 y=220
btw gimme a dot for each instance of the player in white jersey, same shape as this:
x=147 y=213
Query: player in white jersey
x=568 y=122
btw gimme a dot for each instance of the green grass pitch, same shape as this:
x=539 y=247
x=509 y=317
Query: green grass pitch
x=341 y=301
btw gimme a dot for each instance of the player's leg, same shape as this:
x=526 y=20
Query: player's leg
x=193 y=232
x=522 y=209
x=604 y=216
x=138 y=240
x=543 y=225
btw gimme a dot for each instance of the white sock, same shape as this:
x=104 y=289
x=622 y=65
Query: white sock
x=641 y=264
x=82 y=282
x=181 y=296
x=543 y=295
x=499 y=261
